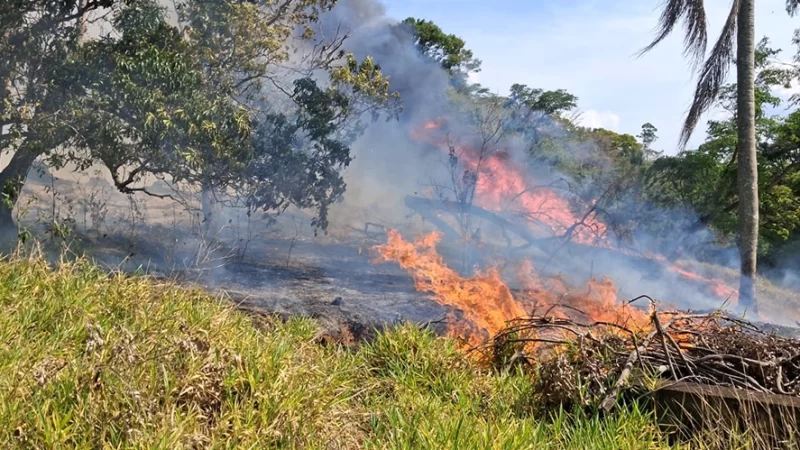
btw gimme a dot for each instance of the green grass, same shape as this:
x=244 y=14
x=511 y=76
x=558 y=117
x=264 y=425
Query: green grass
x=89 y=360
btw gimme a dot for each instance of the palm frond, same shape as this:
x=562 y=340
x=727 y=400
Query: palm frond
x=712 y=75
x=670 y=15
x=694 y=15
x=696 y=38
x=792 y=6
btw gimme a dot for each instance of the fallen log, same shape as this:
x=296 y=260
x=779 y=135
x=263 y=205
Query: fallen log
x=428 y=208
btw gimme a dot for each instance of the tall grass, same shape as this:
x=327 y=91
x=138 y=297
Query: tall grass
x=89 y=360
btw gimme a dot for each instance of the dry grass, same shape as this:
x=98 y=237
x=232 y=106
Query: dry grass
x=775 y=303
x=89 y=360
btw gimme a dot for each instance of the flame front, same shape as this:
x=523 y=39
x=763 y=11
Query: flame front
x=487 y=302
x=484 y=299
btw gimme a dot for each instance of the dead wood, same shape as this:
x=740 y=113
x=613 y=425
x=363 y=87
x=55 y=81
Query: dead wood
x=711 y=349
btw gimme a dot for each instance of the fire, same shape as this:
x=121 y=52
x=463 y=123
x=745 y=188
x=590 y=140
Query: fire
x=484 y=299
x=718 y=287
x=487 y=303
x=502 y=186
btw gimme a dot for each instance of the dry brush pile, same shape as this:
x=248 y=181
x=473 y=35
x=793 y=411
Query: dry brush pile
x=591 y=362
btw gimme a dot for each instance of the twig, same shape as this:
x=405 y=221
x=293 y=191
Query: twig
x=611 y=398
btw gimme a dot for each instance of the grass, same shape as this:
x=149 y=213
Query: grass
x=89 y=360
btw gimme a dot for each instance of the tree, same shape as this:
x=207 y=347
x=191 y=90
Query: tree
x=712 y=73
x=705 y=179
x=38 y=39
x=188 y=103
x=547 y=103
x=648 y=136
x=470 y=151
x=537 y=116
x=448 y=50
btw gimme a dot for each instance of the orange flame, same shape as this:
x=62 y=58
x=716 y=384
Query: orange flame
x=484 y=299
x=487 y=302
x=503 y=186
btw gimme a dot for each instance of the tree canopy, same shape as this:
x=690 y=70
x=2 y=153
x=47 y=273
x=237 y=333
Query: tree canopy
x=207 y=102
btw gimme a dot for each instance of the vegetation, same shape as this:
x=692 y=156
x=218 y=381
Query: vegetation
x=246 y=103
x=217 y=102
x=739 y=28
x=89 y=359
x=189 y=103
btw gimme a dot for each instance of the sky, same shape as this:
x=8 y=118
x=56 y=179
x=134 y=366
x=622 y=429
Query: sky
x=588 y=47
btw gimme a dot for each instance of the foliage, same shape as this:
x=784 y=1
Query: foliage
x=548 y=103
x=279 y=175
x=448 y=50
x=705 y=178
x=180 y=102
x=38 y=38
x=145 y=109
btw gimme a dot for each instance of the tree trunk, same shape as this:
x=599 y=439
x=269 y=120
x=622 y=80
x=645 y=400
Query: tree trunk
x=82 y=19
x=747 y=172
x=12 y=178
x=207 y=205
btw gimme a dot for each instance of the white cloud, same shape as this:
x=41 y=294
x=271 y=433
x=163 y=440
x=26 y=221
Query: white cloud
x=785 y=93
x=599 y=119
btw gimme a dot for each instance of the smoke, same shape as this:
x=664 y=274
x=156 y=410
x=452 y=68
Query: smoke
x=389 y=166
x=386 y=165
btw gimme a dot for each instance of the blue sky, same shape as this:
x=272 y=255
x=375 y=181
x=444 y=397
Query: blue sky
x=588 y=47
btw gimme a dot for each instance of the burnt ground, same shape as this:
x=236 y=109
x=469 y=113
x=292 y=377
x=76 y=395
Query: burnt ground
x=334 y=283
x=326 y=281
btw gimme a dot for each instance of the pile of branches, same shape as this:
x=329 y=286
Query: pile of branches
x=593 y=362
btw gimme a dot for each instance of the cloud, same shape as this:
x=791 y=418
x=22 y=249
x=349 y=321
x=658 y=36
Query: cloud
x=786 y=93
x=474 y=77
x=599 y=119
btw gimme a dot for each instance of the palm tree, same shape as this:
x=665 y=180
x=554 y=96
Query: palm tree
x=739 y=28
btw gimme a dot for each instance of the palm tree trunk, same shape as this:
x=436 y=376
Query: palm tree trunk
x=747 y=173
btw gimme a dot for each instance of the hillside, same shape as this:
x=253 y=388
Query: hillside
x=87 y=358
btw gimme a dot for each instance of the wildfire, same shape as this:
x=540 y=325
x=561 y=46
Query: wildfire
x=484 y=299
x=502 y=186
x=487 y=302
